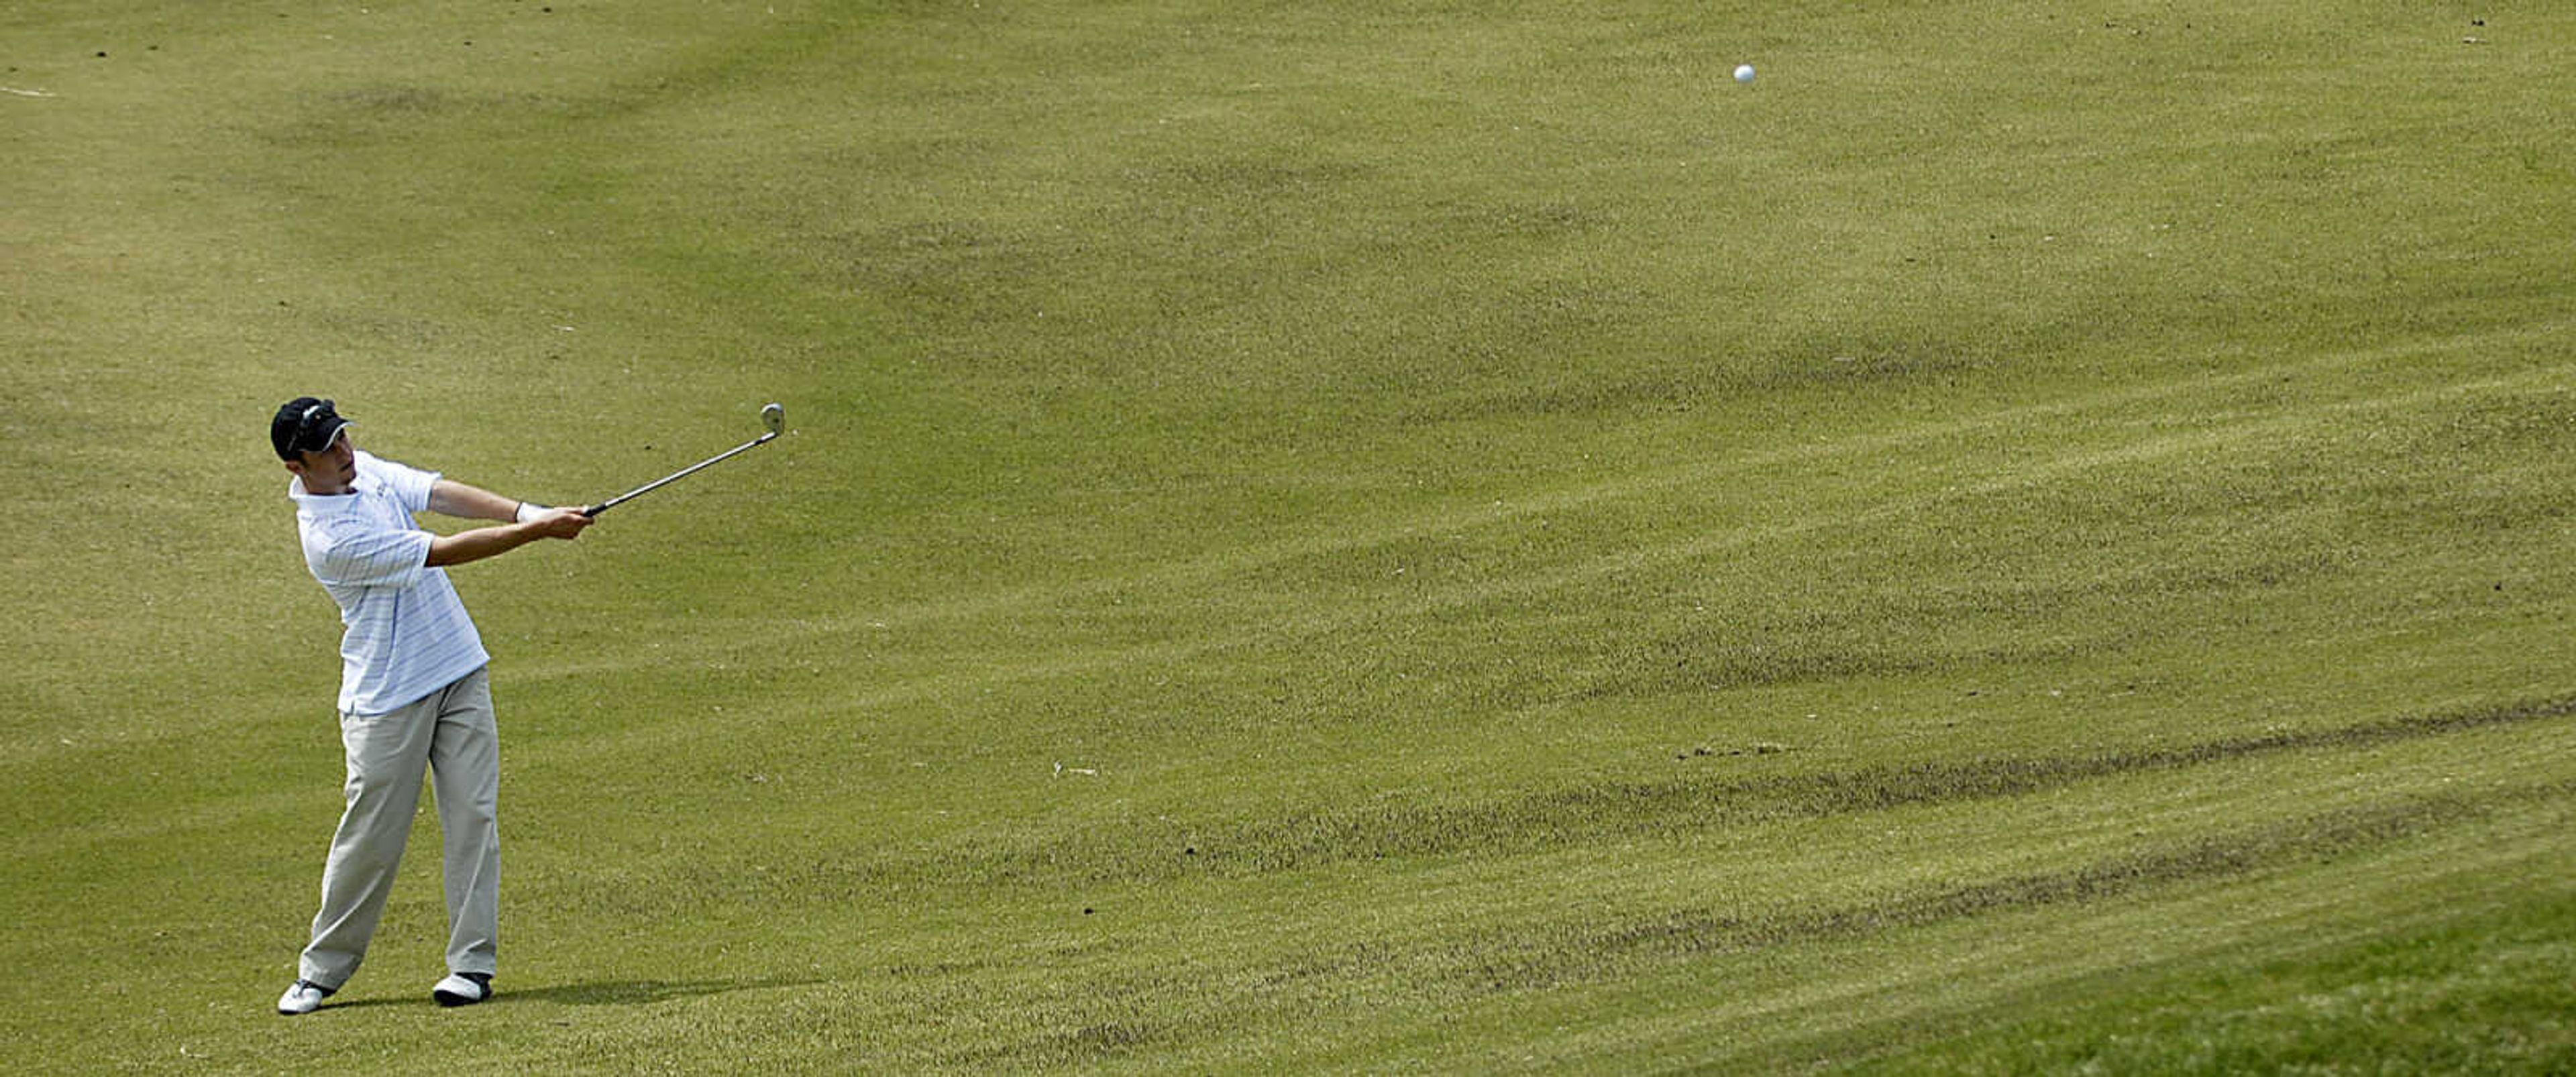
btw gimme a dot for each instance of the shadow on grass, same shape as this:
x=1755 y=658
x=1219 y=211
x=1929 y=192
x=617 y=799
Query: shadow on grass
x=639 y=992
x=604 y=993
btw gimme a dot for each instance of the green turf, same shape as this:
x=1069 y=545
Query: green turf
x=1322 y=536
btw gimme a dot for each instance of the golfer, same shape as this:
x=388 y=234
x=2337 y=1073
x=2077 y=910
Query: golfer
x=414 y=695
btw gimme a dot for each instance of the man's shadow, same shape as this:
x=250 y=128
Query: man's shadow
x=605 y=993
x=639 y=992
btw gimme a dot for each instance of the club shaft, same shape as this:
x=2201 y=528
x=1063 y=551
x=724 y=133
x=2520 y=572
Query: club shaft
x=680 y=474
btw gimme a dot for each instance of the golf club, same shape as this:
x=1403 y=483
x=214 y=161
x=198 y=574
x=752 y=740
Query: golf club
x=773 y=416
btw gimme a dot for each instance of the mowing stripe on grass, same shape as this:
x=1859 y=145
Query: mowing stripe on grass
x=1208 y=572
x=1112 y=1018
x=1534 y=822
x=1334 y=619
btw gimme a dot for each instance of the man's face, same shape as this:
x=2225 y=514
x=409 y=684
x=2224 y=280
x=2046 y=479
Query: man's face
x=332 y=471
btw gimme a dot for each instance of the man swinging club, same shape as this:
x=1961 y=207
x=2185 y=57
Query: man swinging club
x=414 y=694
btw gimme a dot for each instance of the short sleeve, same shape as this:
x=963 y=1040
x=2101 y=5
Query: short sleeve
x=356 y=556
x=410 y=484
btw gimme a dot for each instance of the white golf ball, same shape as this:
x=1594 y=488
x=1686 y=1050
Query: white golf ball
x=1744 y=72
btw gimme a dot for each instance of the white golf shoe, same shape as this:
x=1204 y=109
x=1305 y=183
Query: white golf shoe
x=305 y=997
x=463 y=988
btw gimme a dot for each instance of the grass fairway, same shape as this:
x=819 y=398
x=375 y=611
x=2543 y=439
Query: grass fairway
x=1396 y=536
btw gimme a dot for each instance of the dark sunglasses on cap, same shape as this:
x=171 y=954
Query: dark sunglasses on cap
x=304 y=425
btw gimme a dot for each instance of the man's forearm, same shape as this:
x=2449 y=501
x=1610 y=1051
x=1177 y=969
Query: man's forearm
x=451 y=498
x=480 y=543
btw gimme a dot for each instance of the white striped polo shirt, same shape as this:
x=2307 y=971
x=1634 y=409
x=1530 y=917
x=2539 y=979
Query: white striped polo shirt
x=408 y=634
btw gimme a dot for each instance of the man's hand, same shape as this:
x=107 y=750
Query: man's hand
x=560 y=523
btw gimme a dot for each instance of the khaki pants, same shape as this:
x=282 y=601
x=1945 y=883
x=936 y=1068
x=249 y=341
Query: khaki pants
x=450 y=734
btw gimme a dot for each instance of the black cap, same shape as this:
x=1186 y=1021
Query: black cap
x=304 y=424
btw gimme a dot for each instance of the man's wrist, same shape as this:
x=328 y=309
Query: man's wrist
x=530 y=511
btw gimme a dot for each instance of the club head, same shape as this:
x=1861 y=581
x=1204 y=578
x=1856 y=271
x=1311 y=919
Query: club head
x=774 y=417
